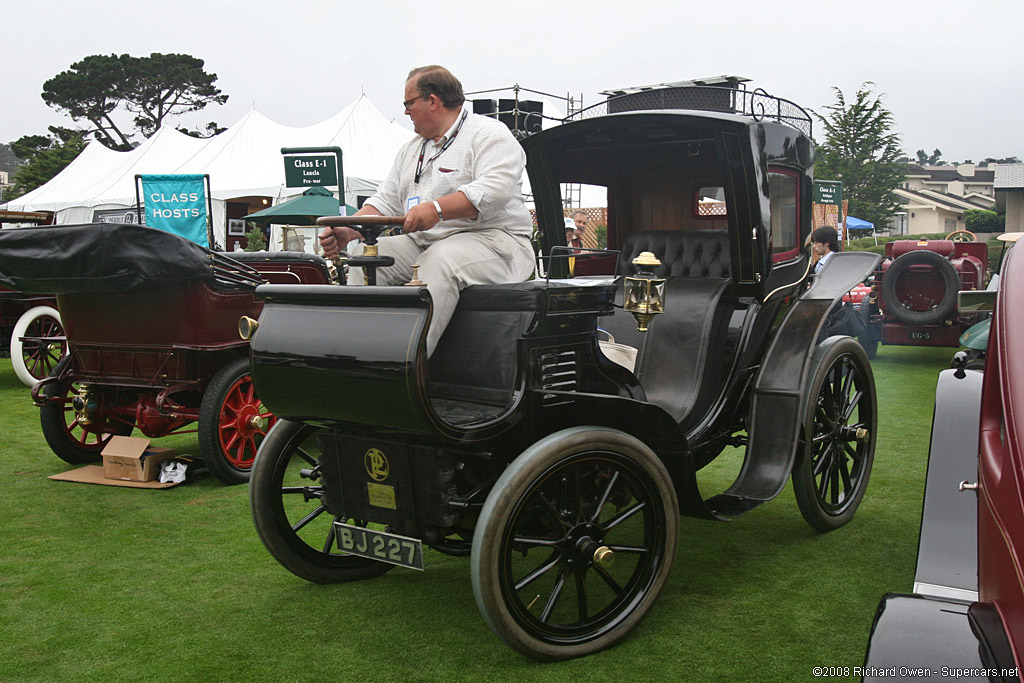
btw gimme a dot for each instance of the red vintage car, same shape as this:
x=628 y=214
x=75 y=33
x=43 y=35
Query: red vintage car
x=967 y=610
x=913 y=298
x=151 y=323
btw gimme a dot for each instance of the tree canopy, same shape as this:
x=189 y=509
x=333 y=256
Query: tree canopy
x=152 y=88
x=45 y=156
x=933 y=159
x=862 y=150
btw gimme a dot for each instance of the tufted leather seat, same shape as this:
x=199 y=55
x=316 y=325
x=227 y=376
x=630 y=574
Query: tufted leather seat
x=678 y=363
x=683 y=253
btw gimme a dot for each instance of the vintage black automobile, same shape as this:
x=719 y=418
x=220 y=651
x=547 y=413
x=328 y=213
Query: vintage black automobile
x=561 y=474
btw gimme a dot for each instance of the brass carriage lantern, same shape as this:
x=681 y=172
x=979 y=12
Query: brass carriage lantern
x=644 y=293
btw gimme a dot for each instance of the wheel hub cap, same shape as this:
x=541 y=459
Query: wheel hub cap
x=249 y=421
x=584 y=547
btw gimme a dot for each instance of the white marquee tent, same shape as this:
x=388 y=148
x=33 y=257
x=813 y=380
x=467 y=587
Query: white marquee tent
x=243 y=161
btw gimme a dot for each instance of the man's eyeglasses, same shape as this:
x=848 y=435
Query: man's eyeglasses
x=409 y=103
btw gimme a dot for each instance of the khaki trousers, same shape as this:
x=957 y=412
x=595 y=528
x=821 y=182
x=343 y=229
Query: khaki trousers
x=474 y=257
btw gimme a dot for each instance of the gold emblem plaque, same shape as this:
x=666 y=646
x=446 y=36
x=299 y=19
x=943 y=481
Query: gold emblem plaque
x=381 y=496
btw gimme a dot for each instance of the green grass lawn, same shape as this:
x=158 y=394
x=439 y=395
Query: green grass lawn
x=105 y=584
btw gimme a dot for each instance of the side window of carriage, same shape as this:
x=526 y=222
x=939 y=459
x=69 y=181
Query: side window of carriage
x=783 y=194
x=710 y=203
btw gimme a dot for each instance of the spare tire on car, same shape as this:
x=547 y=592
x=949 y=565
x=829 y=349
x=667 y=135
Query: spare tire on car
x=920 y=302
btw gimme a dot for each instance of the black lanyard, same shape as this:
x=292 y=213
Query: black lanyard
x=446 y=145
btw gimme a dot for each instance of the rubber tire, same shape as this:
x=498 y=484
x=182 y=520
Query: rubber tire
x=29 y=317
x=210 y=412
x=490 y=532
x=869 y=339
x=275 y=529
x=945 y=270
x=56 y=430
x=830 y=353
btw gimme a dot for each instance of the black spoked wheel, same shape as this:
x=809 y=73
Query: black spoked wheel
x=286 y=497
x=832 y=471
x=574 y=543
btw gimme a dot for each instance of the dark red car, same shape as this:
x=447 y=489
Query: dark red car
x=151 y=322
x=967 y=610
x=913 y=301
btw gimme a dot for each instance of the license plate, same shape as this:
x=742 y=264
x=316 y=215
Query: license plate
x=380 y=546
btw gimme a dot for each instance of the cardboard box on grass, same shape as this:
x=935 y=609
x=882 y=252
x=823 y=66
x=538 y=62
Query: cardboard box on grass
x=127 y=458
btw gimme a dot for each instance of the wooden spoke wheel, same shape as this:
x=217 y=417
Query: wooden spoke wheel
x=44 y=346
x=232 y=423
x=76 y=437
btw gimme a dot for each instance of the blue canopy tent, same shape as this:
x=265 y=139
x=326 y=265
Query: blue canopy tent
x=854 y=224
x=858 y=224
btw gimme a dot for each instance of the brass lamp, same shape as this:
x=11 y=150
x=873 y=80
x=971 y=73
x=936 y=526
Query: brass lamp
x=644 y=293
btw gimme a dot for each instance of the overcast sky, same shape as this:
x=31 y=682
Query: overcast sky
x=950 y=71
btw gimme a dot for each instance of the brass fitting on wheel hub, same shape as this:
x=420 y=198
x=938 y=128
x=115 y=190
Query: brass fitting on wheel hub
x=604 y=557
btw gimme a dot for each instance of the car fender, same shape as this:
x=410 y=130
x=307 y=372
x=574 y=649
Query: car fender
x=912 y=633
x=976 y=336
x=777 y=408
x=947 y=553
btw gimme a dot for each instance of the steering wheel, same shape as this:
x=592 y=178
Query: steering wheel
x=962 y=236
x=370 y=227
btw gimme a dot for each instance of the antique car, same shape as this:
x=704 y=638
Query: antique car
x=966 y=613
x=30 y=328
x=914 y=293
x=561 y=474
x=975 y=338
x=151 y=325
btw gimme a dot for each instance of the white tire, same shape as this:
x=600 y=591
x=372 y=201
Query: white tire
x=32 y=362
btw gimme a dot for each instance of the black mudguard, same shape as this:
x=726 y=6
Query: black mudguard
x=947 y=553
x=912 y=633
x=779 y=396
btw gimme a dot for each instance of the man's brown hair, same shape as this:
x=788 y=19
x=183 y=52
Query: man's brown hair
x=437 y=80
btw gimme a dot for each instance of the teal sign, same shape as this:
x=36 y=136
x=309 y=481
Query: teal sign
x=177 y=204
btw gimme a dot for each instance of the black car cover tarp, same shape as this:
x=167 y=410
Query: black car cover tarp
x=99 y=258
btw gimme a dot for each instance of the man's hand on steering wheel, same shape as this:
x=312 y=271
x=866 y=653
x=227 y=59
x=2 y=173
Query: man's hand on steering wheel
x=420 y=217
x=333 y=240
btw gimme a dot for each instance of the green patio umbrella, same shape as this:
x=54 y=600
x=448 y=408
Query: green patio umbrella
x=302 y=210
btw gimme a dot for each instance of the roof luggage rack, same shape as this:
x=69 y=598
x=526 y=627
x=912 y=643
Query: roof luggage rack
x=757 y=104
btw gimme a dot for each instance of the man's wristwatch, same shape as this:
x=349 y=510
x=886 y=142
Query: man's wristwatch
x=437 y=207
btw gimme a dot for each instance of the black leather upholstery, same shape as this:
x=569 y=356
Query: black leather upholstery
x=683 y=253
x=513 y=296
x=679 y=357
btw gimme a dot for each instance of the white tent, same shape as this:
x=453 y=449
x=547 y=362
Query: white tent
x=243 y=161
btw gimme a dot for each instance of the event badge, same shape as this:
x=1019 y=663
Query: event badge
x=411 y=202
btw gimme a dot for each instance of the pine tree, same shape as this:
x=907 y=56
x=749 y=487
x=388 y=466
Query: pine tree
x=862 y=150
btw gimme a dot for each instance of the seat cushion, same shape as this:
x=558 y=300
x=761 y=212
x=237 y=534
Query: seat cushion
x=683 y=253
